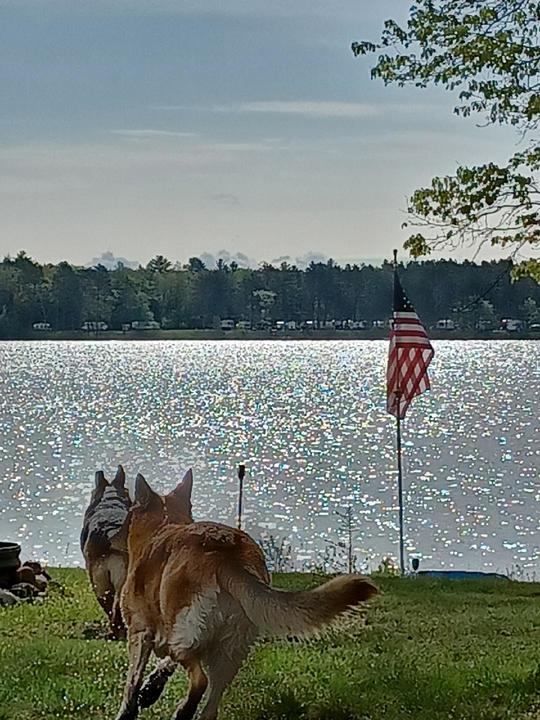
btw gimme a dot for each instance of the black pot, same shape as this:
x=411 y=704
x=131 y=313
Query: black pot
x=9 y=563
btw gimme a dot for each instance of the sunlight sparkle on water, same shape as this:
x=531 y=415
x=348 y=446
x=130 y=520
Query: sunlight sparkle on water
x=308 y=419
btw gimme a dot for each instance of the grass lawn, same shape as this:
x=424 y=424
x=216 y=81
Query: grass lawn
x=431 y=649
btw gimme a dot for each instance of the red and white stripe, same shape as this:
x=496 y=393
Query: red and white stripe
x=409 y=356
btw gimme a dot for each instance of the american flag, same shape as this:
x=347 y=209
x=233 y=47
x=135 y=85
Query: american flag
x=409 y=355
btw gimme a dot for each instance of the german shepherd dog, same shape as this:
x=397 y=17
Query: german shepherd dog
x=104 y=550
x=198 y=594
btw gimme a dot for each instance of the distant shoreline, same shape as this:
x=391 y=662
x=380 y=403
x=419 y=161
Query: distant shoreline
x=312 y=335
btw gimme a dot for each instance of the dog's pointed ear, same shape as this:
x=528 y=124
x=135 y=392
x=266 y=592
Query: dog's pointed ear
x=119 y=479
x=144 y=495
x=101 y=483
x=183 y=490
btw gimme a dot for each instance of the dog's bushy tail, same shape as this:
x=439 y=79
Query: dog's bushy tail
x=302 y=613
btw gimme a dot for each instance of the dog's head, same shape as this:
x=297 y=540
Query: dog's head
x=108 y=507
x=102 y=487
x=151 y=510
x=118 y=485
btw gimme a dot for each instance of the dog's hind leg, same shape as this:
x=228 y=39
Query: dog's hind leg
x=224 y=655
x=117 y=568
x=224 y=661
x=221 y=672
x=116 y=621
x=102 y=585
x=197 y=686
x=155 y=682
x=139 y=649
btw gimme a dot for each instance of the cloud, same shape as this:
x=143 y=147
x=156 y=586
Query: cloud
x=234 y=8
x=313 y=108
x=304 y=260
x=25 y=183
x=316 y=108
x=226 y=199
x=242 y=260
x=110 y=261
x=19 y=160
x=151 y=134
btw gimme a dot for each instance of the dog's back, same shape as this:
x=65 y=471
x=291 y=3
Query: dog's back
x=103 y=547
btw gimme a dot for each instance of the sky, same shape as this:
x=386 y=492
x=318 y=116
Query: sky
x=183 y=127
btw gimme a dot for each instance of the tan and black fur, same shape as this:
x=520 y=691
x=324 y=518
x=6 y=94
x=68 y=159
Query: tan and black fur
x=103 y=544
x=198 y=594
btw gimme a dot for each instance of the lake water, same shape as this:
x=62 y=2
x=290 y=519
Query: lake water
x=309 y=421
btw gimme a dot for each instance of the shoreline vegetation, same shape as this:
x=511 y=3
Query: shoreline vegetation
x=166 y=301
x=312 y=335
x=427 y=649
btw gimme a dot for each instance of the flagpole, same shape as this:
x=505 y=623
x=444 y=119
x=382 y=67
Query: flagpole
x=399 y=454
x=241 y=476
x=400 y=493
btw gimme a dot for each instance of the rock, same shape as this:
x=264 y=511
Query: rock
x=40 y=582
x=23 y=590
x=8 y=598
x=25 y=574
x=37 y=568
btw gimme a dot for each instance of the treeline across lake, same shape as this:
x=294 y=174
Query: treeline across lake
x=64 y=297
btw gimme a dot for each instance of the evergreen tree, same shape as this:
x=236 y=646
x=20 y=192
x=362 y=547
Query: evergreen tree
x=67 y=297
x=192 y=296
